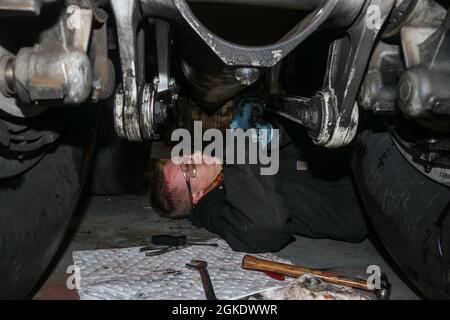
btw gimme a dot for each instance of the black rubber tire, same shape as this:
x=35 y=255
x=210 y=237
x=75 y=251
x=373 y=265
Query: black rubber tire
x=117 y=165
x=409 y=211
x=36 y=207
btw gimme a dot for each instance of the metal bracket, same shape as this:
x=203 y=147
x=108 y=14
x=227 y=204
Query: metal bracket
x=233 y=54
x=138 y=110
x=126 y=111
x=350 y=55
x=332 y=114
x=347 y=62
x=163 y=54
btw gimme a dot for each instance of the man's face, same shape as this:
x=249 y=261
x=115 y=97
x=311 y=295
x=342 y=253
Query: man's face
x=207 y=169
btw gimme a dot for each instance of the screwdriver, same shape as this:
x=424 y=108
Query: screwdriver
x=177 y=241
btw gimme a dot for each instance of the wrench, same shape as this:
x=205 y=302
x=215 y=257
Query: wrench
x=201 y=267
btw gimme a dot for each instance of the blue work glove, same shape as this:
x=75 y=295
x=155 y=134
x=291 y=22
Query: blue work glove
x=247 y=115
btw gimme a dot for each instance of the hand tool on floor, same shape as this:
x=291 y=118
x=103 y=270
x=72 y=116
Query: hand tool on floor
x=165 y=243
x=152 y=251
x=201 y=267
x=253 y=263
x=179 y=241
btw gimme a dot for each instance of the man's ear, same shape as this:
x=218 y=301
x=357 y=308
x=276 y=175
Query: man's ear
x=197 y=196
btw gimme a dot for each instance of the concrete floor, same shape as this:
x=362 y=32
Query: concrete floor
x=128 y=220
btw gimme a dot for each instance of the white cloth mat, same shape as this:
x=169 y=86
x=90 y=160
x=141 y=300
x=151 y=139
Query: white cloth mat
x=129 y=274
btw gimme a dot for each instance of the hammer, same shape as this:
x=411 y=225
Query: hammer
x=253 y=263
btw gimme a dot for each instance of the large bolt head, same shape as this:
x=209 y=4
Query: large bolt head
x=247 y=76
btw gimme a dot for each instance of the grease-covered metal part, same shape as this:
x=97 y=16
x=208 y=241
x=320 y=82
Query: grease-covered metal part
x=331 y=130
x=147 y=117
x=297 y=109
x=119 y=125
x=56 y=70
x=8 y=104
x=51 y=72
x=128 y=15
x=153 y=111
x=349 y=56
x=321 y=116
x=138 y=105
x=332 y=115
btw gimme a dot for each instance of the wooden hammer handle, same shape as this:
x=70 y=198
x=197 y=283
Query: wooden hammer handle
x=253 y=263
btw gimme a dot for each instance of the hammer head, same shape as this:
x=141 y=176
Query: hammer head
x=384 y=292
x=197 y=264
